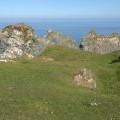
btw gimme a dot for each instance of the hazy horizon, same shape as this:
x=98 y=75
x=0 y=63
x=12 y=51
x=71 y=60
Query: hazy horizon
x=67 y=9
x=73 y=18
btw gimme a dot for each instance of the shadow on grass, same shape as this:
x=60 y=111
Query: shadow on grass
x=118 y=75
x=114 y=61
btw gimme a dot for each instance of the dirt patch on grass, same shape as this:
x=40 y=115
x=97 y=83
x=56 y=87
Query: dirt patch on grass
x=47 y=59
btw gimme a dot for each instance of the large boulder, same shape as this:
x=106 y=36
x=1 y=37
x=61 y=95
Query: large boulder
x=17 y=40
x=100 y=43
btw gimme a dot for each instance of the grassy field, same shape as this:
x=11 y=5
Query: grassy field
x=43 y=88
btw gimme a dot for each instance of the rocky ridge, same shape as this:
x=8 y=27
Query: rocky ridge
x=20 y=39
x=100 y=43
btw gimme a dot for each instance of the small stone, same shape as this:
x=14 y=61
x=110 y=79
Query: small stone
x=94 y=103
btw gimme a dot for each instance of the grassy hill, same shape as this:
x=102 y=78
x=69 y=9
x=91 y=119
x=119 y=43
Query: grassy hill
x=43 y=88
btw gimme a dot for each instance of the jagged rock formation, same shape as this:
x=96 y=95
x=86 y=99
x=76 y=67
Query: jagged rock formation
x=17 y=40
x=85 y=79
x=101 y=44
x=56 y=38
x=20 y=39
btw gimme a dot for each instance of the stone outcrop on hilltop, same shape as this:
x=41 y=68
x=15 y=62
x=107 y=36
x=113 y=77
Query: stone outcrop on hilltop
x=56 y=38
x=101 y=44
x=20 y=39
x=17 y=40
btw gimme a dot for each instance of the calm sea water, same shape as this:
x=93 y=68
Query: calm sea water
x=77 y=29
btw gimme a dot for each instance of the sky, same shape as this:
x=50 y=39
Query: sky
x=60 y=9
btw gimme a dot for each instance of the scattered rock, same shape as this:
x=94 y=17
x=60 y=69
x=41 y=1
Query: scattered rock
x=94 y=103
x=101 y=44
x=85 y=79
x=45 y=59
x=4 y=61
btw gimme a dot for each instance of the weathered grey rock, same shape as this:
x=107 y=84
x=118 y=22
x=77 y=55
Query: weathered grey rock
x=20 y=39
x=56 y=38
x=101 y=44
x=85 y=79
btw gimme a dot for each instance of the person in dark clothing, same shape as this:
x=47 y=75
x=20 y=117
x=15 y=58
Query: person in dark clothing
x=1 y=47
x=81 y=46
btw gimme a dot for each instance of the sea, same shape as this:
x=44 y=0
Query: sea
x=75 y=28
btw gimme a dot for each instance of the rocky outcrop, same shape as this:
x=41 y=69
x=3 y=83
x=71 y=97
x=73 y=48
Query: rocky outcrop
x=17 y=40
x=56 y=38
x=20 y=39
x=101 y=44
x=85 y=79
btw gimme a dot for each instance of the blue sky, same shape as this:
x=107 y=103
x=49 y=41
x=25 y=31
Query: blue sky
x=60 y=8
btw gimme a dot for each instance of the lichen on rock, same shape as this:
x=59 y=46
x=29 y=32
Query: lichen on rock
x=21 y=30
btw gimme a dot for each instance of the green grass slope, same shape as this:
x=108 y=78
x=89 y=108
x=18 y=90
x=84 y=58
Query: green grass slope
x=43 y=88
